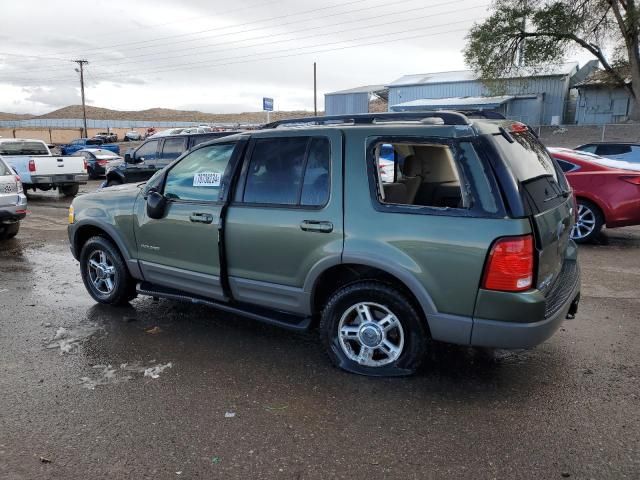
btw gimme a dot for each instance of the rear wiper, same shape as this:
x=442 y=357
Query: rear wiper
x=564 y=194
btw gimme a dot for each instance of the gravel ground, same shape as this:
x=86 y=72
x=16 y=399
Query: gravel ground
x=166 y=390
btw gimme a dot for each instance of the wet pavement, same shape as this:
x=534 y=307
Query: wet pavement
x=165 y=390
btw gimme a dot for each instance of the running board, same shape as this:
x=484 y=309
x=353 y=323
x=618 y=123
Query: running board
x=271 y=317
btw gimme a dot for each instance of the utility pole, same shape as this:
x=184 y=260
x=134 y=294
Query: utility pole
x=82 y=63
x=315 y=95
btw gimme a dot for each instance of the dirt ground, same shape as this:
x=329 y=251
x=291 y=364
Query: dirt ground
x=165 y=390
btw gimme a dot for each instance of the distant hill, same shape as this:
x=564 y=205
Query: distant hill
x=158 y=114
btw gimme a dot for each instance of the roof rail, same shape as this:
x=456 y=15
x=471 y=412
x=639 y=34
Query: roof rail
x=447 y=117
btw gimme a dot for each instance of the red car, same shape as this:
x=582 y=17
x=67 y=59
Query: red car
x=604 y=195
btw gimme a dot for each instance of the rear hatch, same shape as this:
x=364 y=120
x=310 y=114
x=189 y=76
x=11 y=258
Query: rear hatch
x=547 y=199
x=8 y=186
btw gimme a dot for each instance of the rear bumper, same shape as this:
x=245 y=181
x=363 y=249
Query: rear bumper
x=539 y=317
x=14 y=213
x=59 y=179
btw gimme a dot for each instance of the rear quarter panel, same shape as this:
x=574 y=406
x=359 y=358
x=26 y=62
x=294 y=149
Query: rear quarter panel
x=444 y=254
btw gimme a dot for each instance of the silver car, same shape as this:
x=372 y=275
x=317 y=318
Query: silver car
x=13 y=202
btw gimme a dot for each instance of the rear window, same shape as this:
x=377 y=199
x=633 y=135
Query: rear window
x=4 y=169
x=604 y=150
x=94 y=141
x=527 y=156
x=23 y=148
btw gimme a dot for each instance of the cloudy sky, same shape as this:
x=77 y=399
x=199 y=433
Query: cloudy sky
x=220 y=56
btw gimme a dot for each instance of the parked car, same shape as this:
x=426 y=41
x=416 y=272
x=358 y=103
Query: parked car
x=107 y=137
x=82 y=143
x=97 y=160
x=132 y=136
x=470 y=244
x=604 y=195
x=39 y=169
x=13 y=202
x=154 y=154
x=627 y=151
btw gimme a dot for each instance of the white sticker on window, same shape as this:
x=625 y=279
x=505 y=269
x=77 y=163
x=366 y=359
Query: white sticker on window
x=207 y=179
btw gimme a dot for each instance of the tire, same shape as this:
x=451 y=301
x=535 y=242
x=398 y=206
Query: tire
x=114 y=181
x=70 y=190
x=589 y=222
x=92 y=174
x=9 y=231
x=406 y=332
x=108 y=264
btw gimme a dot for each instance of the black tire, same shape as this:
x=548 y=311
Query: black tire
x=70 y=190
x=92 y=174
x=584 y=232
x=123 y=284
x=9 y=231
x=113 y=182
x=415 y=331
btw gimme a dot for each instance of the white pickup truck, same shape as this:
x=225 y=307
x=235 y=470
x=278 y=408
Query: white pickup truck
x=39 y=169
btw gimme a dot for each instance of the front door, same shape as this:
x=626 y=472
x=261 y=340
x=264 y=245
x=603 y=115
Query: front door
x=286 y=218
x=180 y=250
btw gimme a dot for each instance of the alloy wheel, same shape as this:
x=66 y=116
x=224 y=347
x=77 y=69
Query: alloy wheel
x=370 y=334
x=585 y=223
x=102 y=272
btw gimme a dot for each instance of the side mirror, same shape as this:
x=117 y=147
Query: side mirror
x=156 y=204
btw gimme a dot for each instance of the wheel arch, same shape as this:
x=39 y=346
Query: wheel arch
x=597 y=203
x=338 y=275
x=88 y=229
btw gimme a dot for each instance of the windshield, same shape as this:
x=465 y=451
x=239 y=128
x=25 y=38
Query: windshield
x=23 y=148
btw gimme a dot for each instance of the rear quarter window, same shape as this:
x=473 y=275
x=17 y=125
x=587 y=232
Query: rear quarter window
x=4 y=169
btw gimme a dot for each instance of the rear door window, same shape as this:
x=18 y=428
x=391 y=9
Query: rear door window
x=566 y=166
x=172 y=148
x=291 y=171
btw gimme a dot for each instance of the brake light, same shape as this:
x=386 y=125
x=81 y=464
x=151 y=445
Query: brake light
x=32 y=165
x=633 y=180
x=86 y=166
x=518 y=127
x=509 y=266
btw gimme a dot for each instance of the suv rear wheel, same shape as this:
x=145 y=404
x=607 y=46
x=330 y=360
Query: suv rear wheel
x=104 y=272
x=70 y=190
x=371 y=328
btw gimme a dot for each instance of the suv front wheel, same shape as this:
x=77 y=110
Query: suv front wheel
x=104 y=272
x=371 y=328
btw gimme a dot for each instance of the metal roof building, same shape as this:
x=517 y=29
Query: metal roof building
x=353 y=100
x=601 y=100
x=536 y=97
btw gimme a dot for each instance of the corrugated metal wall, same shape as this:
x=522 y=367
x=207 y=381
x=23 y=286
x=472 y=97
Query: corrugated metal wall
x=346 y=103
x=599 y=106
x=555 y=90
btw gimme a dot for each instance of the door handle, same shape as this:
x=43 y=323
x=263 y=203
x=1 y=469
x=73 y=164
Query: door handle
x=201 y=217
x=316 y=226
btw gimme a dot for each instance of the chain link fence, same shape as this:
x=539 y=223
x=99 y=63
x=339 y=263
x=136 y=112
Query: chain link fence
x=570 y=136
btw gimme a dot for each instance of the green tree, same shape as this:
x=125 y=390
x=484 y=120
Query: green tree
x=541 y=32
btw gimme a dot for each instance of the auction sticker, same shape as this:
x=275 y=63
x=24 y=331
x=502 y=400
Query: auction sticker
x=207 y=179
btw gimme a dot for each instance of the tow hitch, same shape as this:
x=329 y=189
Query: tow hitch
x=573 y=309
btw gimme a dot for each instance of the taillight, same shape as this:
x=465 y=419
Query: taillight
x=633 y=180
x=32 y=165
x=19 y=184
x=86 y=166
x=509 y=267
x=518 y=127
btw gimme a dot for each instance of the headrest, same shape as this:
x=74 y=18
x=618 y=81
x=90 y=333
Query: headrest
x=412 y=166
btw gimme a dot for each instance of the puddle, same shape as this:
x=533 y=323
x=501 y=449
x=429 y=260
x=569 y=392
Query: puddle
x=69 y=340
x=108 y=375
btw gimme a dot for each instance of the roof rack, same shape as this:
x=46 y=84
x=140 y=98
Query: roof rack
x=447 y=117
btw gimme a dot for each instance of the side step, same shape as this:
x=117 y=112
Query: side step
x=271 y=317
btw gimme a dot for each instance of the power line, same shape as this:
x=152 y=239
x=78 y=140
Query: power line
x=200 y=52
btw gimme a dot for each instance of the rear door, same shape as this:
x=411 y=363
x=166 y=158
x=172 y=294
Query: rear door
x=547 y=197
x=286 y=218
x=181 y=250
x=145 y=162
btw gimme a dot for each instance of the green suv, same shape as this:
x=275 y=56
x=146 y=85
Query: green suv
x=460 y=233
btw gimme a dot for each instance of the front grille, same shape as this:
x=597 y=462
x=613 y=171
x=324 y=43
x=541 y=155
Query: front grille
x=558 y=294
